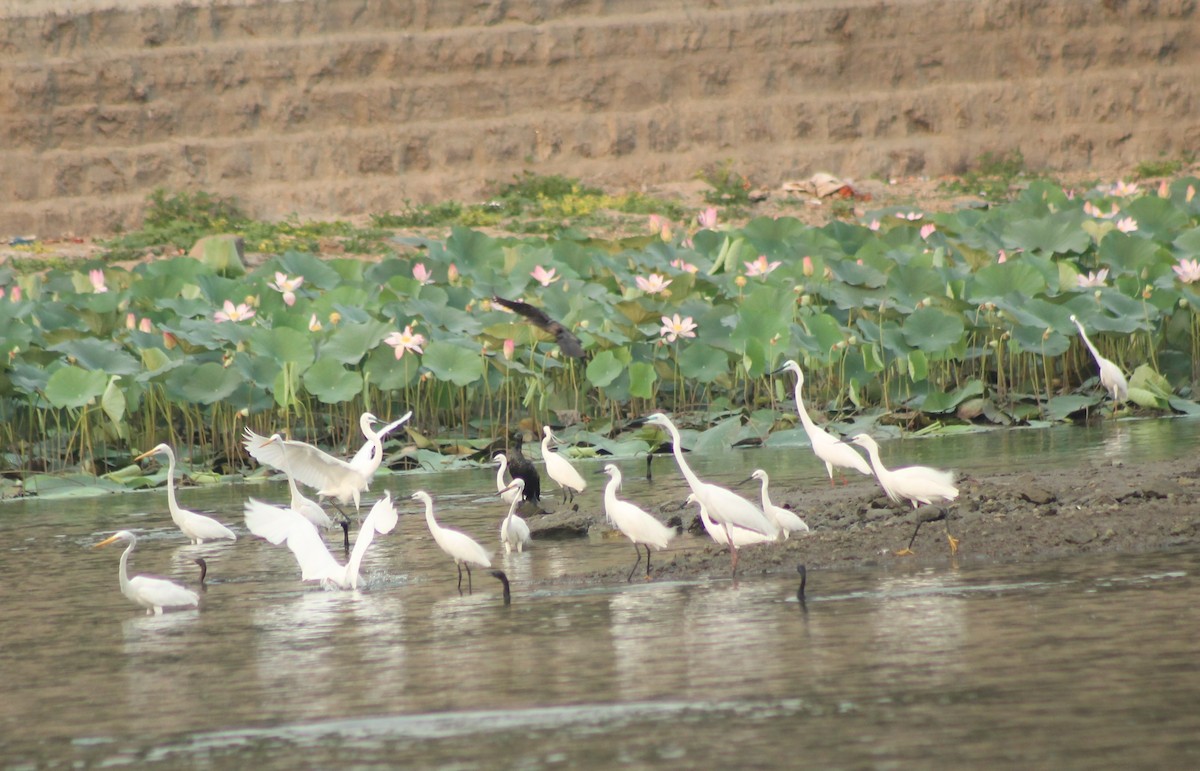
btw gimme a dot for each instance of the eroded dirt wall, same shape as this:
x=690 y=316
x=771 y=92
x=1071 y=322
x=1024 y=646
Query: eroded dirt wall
x=337 y=107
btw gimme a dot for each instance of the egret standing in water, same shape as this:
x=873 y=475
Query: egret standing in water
x=560 y=469
x=833 y=451
x=735 y=537
x=279 y=525
x=153 y=594
x=196 y=527
x=636 y=524
x=915 y=484
x=1111 y=377
x=508 y=494
x=787 y=521
x=463 y=549
x=514 y=532
x=725 y=507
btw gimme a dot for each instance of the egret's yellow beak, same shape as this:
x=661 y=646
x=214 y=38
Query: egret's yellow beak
x=146 y=454
x=105 y=542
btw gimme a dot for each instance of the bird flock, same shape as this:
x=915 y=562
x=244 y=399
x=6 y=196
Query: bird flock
x=730 y=519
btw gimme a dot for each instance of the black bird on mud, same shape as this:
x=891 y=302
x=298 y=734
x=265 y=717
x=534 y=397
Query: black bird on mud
x=568 y=343
x=522 y=468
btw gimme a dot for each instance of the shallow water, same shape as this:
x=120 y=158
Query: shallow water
x=1075 y=663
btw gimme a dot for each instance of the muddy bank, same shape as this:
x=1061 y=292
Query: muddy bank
x=1008 y=517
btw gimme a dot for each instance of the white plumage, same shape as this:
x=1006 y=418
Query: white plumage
x=463 y=549
x=507 y=493
x=1111 y=376
x=739 y=535
x=830 y=449
x=197 y=527
x=153 y=594
x=560 y=469
x=514 y=531
x=636 y=524
x=787 y=521
x=279 y=525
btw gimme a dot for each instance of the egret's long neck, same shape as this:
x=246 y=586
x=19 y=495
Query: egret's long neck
x=881 y=473
x=804 y=418
x=172 y=504
x=500 y=475
x=512 y=508
x=610 y=491
x=766 y=498
x=433 y=525
x=692 y=480
x=1087 y=341
x=124 y=570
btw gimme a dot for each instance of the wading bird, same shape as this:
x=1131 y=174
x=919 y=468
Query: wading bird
x=1111 y=377
x=560 y=469
x=787 y=521
x=343 y=481
x=915 y=484
x=514 y=532
x=725 y=507
x=636 y=524
x=463 y=549
x=153 y=594
x=568 y=343
x=279 y=525
x=740 y=536
x=196 y=527
x=508 y=494
x=833 y=451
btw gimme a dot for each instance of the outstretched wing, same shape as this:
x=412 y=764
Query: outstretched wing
x=284 y=525
x=310 y=465
x=382 y=519
x=567 y=342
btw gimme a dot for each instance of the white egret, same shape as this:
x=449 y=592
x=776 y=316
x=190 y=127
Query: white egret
x=560 y=469
x=832 y=450
x=153 y=594
x=307 y=507
x=196 y=527
x=636 y=524
x=724 y=506
x=739 y=536
x=279 y=525
x=463 y=549
x=787 y=521
x=507 y=493
x=916 y=484
x=1111 y=377
x=343 y=481
x=514 y=532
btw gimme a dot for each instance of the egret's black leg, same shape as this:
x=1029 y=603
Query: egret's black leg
x=803 y=571
x=647 y=562
x=345 y=523
x=469 y=589
x=649 y=470
x=639 y=561
x=459 y=566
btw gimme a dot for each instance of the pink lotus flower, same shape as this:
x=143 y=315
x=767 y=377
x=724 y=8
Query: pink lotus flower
x=1093 y=279
x=655 y=284
x=1122 y=189
x=1187 y=270
x=543 y=276
x=96 y=276
x=406 y=342
x=130 y=321
x=314 y=324
x=874 y=225
x=911 y=216
x=761 y=267
x=241 y=312
x=510 y=348
x=144 y=325
x=422 y=274
x=1097 y=212
x=684 y=265
x=1127 y=224
x=674 y=328
x=708 y=218
x=1190 y=194
x=807 y=265
x=928 y=230
x=452 y=274
x=287 y=287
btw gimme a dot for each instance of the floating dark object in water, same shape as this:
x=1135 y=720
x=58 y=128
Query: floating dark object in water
x=500 y=575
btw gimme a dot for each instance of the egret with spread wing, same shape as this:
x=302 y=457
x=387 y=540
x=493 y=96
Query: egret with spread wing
x=279 y=525
x=153 y=594
x=196 y=527
x=568 y=343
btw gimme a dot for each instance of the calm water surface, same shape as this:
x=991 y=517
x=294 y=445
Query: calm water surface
x=1085 y=663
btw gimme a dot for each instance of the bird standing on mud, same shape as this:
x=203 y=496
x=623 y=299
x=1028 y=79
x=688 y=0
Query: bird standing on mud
x=1111 y=377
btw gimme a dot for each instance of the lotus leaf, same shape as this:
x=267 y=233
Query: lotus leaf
x=95 y=354
x=703 y=363
x=1056 y=233
x=641 y=379
x=316 y=272
x=933 y=330
x=604 y=368
x=1063 y=407
x=201 y=383
x=453 y=363
x=936 y=402
x=73 y=387
x=330 y=382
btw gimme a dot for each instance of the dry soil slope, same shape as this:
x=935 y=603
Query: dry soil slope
x=325 y=107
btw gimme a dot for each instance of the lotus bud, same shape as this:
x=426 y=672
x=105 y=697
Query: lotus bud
x=169 y=341
x=807 y=265
x=452 y=274
x=314 y=324
x=510 y=348
x=740 y=281
x=130 y=321
x=1096 y=294
x=805 y=299
x=584 y=323
x=1183 y=303
x=334 y=318
x=853 y=340
x=1164 y=190
x=244 y=412
x=485 y=305
x=1046 y=335
x=1146 y=292
x=144 y=325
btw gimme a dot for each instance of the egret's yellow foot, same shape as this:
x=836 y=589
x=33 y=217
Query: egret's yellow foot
x=905 y=552
x=953 y=543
